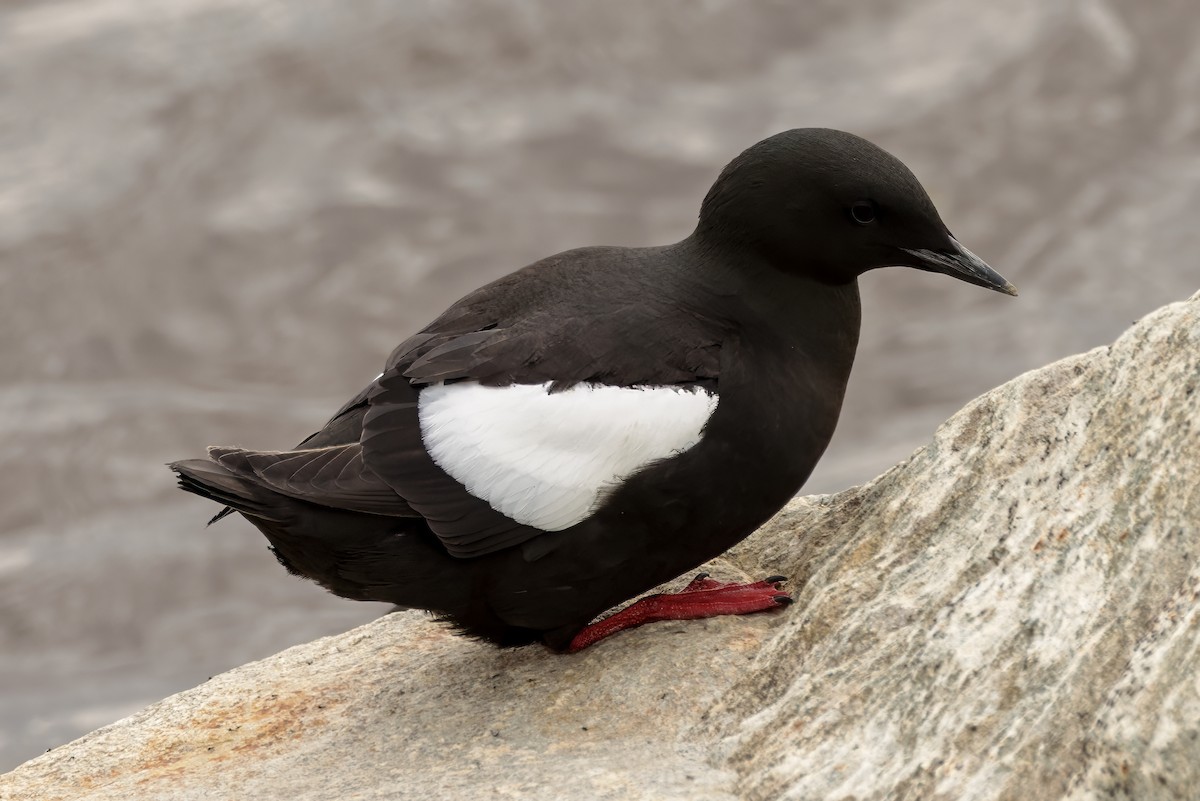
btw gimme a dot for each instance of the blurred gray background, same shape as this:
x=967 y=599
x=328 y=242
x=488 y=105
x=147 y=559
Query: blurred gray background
x=218 y=216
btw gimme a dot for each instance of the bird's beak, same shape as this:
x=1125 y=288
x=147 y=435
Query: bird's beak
x=960 y=263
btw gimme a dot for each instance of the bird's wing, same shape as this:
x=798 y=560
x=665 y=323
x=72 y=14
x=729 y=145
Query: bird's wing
x=548 y=459
x=343 y=428
x=499 y=427
x=322 y=477
x=332 y=476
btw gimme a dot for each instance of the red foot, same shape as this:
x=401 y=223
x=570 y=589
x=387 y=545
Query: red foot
x=703 y=597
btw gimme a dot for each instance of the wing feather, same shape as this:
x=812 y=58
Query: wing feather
x=547 y=459
x=334 y=476
x=539 y=327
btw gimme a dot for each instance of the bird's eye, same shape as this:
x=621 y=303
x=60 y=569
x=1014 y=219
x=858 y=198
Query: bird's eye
x=863 y=212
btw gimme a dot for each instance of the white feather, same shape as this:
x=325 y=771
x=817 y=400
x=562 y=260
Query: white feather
x=545 y=460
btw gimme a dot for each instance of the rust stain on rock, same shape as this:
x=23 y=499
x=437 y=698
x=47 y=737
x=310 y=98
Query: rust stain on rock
x=245 y=728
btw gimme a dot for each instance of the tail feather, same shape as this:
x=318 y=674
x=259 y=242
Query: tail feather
x=210 y=480
x=226 y=512
x=356 y=555
x=301 y=553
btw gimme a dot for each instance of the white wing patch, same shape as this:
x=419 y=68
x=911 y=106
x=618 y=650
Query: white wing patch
x=545 y=460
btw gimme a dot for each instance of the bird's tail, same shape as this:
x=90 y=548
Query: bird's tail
x=210 y=480
x=304 y=541
x=361 y=556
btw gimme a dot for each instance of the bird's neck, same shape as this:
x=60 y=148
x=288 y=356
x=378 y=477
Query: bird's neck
x=786 y=361
x=772 y=302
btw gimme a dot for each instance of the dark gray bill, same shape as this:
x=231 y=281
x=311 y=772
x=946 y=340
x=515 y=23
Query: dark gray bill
x=962 y=264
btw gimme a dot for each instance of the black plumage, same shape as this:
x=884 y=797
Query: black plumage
x=759 y=307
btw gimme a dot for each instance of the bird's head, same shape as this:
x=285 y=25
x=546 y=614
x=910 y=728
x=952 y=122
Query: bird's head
x=832 y=205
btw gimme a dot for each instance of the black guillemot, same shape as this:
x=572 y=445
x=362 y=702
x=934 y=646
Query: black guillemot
x=607 y=418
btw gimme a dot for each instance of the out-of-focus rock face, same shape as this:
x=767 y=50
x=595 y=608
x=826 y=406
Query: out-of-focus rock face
x=1012 y=613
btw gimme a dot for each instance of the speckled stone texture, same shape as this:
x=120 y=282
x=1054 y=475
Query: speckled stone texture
x=1012 y=613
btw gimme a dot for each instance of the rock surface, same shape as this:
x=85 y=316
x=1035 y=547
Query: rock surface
x=1012 y=613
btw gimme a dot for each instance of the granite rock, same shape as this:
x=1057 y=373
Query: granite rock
x=1013 y=612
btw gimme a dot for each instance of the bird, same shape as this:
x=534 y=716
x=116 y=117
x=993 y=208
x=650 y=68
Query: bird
x=606 y=419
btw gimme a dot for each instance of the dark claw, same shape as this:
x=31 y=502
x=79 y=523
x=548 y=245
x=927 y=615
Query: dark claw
x=775 y=579
x=783 y=600
x=700 y=576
